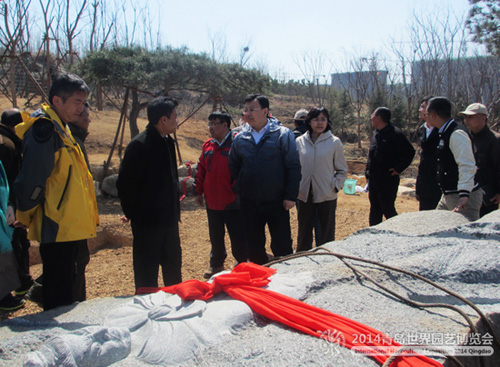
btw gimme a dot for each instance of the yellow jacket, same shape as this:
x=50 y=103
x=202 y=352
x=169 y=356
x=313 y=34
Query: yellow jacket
x=54 y=190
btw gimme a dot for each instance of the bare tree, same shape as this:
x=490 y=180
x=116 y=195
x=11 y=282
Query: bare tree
x=15 y=37
x=218 y=45
x=316 y=68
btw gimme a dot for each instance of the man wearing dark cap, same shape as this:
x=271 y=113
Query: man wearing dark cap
x=10 y=156
x=487 y=153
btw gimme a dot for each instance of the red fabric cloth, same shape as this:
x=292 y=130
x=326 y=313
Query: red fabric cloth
x=244 y=284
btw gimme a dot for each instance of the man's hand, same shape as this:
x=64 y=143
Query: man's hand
x=199 y=200
x=495 y=199
x=462 y=201
x=10 y=216
x=288 y=204
x=124 y=219
x=18 y=224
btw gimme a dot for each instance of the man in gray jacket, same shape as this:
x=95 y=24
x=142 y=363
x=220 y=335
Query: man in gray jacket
x=264 y=161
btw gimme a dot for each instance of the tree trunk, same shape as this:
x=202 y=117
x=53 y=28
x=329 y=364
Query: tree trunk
x=136 y=107
x=12 y=72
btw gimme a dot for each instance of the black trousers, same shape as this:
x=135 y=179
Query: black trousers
x=382 y=195
x=306 y=218
x=429 y=202
x=155 y=246
x=256 y=215
x=233 y=221
x=20 y=247
x=487 y=209
x=62 y=277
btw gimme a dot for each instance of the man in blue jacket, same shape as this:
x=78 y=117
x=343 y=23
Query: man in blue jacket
x=264 y=161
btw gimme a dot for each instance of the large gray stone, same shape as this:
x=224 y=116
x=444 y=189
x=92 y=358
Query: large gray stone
x=461 y=256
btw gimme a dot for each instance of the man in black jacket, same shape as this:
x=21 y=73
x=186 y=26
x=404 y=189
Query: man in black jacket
x=148 y=189
x=487 y=153
x=390 y=154
x=427 y=189
x=11 y=158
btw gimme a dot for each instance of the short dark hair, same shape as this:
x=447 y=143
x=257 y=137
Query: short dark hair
x=441 y=106
x=384 y=113
x=315 y=112
x=426 y=99
x=263 y=101
x=11 y=117
x=65 y=85
x=222 y=116
x=159 y=107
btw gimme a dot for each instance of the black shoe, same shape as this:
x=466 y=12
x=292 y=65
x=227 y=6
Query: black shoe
x=35 y=295
x=23 y=289
x=11 y=303
x=212 y=271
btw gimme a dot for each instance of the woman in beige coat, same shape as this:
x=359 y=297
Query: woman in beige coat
x=324 y=170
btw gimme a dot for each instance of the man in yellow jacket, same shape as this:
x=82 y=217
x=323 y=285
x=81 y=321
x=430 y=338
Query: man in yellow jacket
x=55 y=192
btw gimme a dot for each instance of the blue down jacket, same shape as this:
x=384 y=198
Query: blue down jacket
x=269 y=170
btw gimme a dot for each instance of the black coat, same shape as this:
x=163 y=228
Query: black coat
x=389 y=148
x=427 y=179
x=148 y=182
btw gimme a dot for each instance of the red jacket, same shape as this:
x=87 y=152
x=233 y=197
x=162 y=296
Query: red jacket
x=213 y=177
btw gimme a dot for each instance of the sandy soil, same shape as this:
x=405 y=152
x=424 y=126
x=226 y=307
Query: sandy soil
x=110 y=270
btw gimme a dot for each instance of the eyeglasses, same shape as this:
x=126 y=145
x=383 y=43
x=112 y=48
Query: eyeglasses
x=212 y=124
x=252 y=110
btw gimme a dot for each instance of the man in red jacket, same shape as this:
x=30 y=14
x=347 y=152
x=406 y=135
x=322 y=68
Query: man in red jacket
x=213 y=180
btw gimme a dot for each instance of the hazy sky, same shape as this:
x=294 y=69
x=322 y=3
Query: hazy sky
x=277 y=31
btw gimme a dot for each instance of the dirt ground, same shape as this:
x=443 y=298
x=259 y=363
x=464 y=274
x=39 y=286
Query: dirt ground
x=109 y=272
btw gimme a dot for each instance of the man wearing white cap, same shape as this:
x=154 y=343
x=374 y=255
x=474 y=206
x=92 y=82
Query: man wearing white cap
x=456 y=163
x=298 y=121
x=487 y=152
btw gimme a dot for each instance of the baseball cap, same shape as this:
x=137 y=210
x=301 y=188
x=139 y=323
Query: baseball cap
x=474 y=109
x=301 y=114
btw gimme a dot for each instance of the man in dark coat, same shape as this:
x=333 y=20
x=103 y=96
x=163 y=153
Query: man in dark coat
x=487 y=153
x=427 y=189
x=11 y=158
x=148 y=189
x=390 y=154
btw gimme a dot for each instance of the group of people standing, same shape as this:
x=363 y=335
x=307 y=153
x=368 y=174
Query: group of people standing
x=264 y=169
x=248 y=178
x=459 y=166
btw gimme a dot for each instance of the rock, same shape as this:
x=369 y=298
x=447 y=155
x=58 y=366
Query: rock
x=442 y=246
x=186 y=171
x=404 y=190
x=97 y=189
x=109 y=185
x=186 y=186
x=98 y=171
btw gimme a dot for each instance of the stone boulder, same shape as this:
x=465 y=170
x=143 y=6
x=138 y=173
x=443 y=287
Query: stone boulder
x=109 y=185
x=460 y=256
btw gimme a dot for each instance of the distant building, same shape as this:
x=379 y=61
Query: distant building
x=360 y=83
x=473 y=78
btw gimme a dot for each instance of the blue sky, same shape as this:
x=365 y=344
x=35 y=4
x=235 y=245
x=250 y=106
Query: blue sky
x=280 y=31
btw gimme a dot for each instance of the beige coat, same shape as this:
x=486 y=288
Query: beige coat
x=323 y=166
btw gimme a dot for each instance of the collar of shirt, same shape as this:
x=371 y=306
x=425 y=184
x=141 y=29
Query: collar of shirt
x=257 y=135
x=223 y=140
x=445 y=126
x=428 y=129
